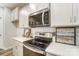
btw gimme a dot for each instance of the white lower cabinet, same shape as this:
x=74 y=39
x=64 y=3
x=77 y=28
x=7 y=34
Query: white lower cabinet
x=18 y=49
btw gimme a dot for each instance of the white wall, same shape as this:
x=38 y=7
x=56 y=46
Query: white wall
x=1 y=27
x=9 y=29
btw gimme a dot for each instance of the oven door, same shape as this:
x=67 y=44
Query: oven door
x=29 y=51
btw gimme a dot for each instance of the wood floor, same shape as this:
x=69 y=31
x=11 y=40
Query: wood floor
x=8 y=52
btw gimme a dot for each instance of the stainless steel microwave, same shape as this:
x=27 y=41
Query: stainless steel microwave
x=39 y=18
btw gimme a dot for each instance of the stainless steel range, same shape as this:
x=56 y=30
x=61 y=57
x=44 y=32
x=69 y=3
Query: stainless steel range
x=40 y=43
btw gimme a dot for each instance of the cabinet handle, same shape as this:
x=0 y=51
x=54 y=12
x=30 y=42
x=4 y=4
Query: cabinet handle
x=0 y=17
x=74 y=18
x=70 y=19
x=0 y=35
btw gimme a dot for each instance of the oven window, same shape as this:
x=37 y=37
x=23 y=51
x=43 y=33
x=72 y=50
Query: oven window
x=28 y=52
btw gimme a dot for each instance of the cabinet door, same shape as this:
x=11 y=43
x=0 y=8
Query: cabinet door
x=15 y=51
x=23 y=20
x=61 y=14
x=76 y=14
x=15 y=14
x=18 y=48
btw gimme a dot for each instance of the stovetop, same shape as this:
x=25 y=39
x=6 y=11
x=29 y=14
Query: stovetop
x=39 y=42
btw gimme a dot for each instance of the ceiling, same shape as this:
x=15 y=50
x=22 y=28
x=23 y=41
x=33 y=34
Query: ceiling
x=12 y=5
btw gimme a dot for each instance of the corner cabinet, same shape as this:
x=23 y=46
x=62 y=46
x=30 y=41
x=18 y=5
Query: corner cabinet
x=15 y=14
x=61 y=14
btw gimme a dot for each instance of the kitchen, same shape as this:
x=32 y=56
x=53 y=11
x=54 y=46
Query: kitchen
x=40 y=29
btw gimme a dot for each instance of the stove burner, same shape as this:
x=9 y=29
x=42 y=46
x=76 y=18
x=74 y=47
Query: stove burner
x=38 y=43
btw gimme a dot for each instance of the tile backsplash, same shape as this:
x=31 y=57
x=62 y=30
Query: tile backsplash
x=46 y=29
x=43 y=29
x=34 y=30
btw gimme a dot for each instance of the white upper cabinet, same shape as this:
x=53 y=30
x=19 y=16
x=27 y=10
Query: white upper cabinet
x=61 y=14
x=23 y=16
x=41 y=6
x=23 y=20
x=15 y=14
x=38 y=6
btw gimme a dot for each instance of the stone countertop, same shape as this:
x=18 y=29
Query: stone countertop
x=62 y=49
x=21 y=39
